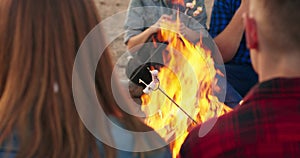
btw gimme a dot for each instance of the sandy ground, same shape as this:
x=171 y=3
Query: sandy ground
x=108 y=8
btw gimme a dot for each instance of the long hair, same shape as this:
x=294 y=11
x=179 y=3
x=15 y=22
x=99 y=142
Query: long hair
x=39 y=40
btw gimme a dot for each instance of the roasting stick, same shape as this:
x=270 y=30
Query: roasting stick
x=154 y=85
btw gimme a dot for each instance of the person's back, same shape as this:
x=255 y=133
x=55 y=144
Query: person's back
x=266 y=124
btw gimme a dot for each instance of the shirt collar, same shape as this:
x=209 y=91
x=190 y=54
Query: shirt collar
x=274 y=86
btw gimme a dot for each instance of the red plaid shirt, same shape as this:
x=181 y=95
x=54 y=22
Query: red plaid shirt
x=267 y=124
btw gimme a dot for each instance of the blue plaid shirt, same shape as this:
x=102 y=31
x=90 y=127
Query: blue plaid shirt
x=222 y=14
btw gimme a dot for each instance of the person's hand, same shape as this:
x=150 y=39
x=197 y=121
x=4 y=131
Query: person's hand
x=156 y=27
x=244 y=8
x=188 y=33
x=245 y=5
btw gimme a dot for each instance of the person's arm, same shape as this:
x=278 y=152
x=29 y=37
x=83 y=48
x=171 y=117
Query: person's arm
x=189 y=34
x=194 y=26
x=136 y=42
x=229 y=39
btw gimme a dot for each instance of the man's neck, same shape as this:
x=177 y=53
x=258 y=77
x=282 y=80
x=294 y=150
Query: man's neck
x=282 y=68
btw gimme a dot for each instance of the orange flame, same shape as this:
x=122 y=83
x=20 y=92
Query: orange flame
x=188 y=78
x=180 y=2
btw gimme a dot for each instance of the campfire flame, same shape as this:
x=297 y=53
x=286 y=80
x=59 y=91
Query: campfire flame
x=188 y=78
x=180 y=2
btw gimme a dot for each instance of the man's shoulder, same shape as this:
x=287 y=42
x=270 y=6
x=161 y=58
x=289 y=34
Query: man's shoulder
x=210 y=138
x=251 y=124
x=225 y=135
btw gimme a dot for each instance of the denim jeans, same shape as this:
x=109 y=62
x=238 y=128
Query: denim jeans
x=241 y=77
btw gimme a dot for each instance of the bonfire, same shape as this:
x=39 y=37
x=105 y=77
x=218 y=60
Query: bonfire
x=181 y=95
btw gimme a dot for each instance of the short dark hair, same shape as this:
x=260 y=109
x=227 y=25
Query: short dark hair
x=282 y=20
